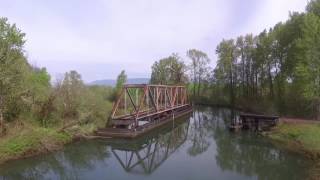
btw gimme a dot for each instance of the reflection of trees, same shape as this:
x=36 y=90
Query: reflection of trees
x=205 y=121
x=248 y=154
x=243 y=153
x=146 y=156
x=64 y=165
x=198 y=134
x=253 y=156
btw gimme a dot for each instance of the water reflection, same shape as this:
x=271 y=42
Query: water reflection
x=198 y=134
x=145 y=156
x=247 y=153
x=61 y=165
x=199 y=147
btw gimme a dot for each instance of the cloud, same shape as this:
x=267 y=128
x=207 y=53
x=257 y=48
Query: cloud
x=271 y=12
x=99 y=38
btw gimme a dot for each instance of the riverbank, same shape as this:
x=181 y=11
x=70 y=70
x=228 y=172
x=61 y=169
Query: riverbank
x=29 y=140
x=193 y=141
x=302 y=136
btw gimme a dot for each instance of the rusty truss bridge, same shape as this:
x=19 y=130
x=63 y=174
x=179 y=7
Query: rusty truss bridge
x=142 y=107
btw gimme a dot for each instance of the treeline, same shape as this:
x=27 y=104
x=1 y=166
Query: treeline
x=279 y=68
x=277 y=71
x=27 y=95
x=173 y=70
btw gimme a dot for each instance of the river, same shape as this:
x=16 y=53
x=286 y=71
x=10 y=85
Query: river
x=197 y=147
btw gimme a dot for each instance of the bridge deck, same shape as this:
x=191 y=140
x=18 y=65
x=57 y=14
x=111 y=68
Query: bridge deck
x=143 y=129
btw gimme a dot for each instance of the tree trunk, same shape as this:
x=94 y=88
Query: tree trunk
x=318 y=112
x=2 y=128
x=199 y=84
x=270 y=81
x=1 y=123
x=231 y=86
x=194 y=82
x=317 y=108
x=243 y=73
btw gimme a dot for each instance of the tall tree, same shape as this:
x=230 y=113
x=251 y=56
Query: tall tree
x=264 y=50
x=71 y=90
x=13 y=69
x=240 y=45
x=308 y=70
x=121 y=80
x=199 y=67
x=225 y=69
x=275 y=66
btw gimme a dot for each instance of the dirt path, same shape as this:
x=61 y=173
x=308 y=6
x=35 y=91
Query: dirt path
x=298 y=121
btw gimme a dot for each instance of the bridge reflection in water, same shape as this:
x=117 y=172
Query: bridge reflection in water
x=145 y=155
x=196 y=147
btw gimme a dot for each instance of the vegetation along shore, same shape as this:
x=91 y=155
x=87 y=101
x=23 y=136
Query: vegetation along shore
x=301 y=136
x=274 y=72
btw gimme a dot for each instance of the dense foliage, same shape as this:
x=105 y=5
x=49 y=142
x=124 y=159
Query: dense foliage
x=199 y=69
x=16 y=94
x=26 y=94
x=277 y=71
x=279 y=68
x=169 y=70
x=121 y=80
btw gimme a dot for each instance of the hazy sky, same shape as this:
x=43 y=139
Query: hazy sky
x=100 y=38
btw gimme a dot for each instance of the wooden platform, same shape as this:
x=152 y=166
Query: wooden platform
x=141 y=130
x=255 y=122
x=258 y=116
x=235 y=127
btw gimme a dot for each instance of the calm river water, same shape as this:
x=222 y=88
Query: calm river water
x=198 y=147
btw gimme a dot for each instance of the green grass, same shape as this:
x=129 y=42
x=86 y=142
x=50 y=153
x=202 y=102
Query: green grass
x=31 y=141
x=85 y=129
x=305 y=137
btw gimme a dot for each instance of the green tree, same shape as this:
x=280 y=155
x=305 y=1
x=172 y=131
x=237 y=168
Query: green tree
x=39 y=87
x=199 y=68
x=265 y=60
x=169 y=70
x=307 y=71
x=71 y=92
x=314 y=7
x=13 y=68
x=269 y=69
x=121 y=80
x=225 y=69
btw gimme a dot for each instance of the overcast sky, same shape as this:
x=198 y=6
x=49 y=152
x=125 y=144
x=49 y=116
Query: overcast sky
x=100 y=38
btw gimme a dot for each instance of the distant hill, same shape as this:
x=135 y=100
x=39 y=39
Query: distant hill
x=112 y=82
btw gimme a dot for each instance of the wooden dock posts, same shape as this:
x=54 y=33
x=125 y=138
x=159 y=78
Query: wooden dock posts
x=254 y=121
x=143 y=107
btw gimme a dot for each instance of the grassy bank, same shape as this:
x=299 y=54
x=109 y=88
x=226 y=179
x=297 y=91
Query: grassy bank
x=303 y=138
x=30 y=140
